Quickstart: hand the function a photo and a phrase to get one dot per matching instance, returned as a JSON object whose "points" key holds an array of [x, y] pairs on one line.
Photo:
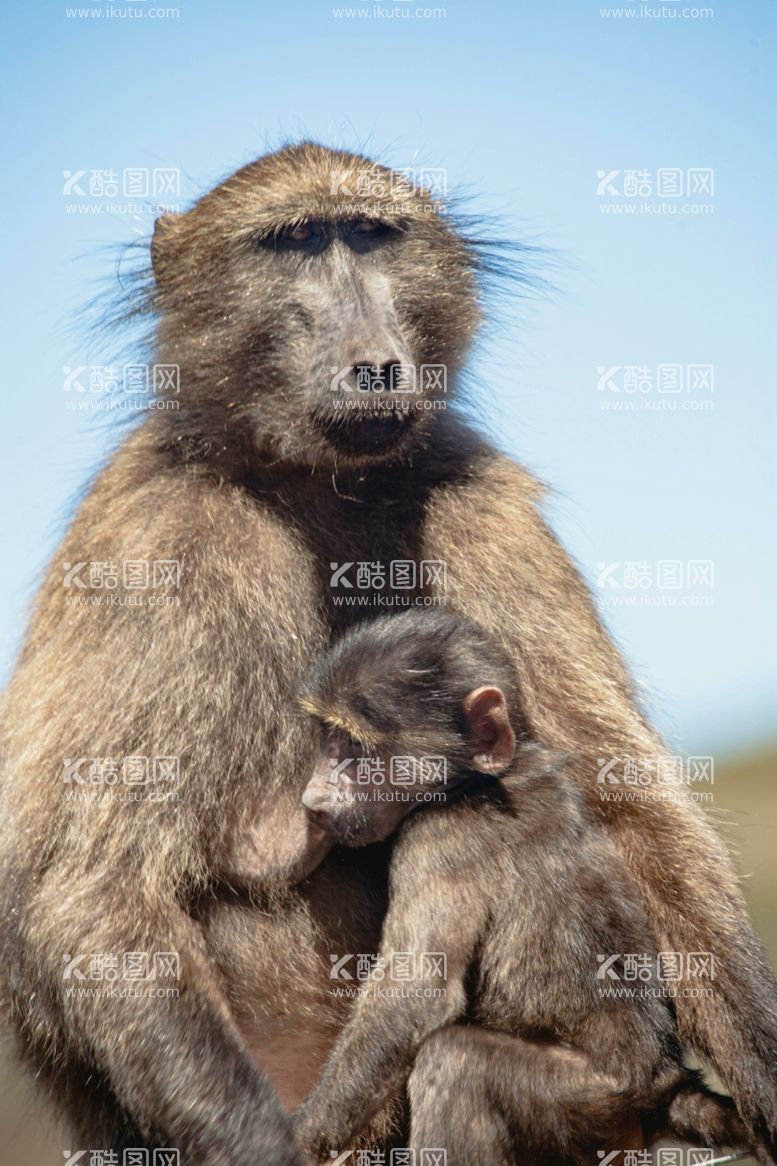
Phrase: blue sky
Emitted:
{"points": [[521, 104]]}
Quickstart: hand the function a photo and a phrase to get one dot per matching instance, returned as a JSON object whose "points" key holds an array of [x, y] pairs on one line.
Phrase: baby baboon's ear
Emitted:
{"points": [[489, 731], [162, 245]]}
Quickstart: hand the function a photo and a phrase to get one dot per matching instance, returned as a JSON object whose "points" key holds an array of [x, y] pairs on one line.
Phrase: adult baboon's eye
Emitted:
{"points": [[309, 236], [365, 234], [301, 233]]}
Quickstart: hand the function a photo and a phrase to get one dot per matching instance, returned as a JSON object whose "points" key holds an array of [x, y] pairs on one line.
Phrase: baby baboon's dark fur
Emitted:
{"points": [[511, 881], [256, 485]]}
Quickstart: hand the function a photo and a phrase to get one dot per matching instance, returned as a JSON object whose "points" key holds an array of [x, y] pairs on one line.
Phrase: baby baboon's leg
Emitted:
{"points": [[486, 1097]]}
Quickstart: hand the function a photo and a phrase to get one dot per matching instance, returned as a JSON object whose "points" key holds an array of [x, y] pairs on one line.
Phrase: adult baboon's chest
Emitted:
{"points": [[364, 551]]}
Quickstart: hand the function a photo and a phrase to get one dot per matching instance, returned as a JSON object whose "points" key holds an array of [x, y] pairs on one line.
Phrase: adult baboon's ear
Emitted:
{"points": [[161, 241], [489, 730]]}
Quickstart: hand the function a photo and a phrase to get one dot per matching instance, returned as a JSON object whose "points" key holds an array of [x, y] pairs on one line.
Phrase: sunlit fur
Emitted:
{"points": [[236, 486]]}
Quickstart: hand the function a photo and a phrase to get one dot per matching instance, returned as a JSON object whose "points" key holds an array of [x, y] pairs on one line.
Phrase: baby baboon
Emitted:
{"points": [[283, 471], [504, 899]]}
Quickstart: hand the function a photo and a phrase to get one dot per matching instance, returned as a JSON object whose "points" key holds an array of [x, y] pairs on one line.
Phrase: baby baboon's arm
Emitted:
{"points": [[416, 987]]}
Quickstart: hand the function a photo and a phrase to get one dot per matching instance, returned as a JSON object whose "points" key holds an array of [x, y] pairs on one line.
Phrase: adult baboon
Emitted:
{"points": [[275, 293]]}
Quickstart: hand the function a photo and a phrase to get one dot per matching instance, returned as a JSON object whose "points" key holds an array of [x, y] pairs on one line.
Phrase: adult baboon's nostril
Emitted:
{"points": [[378, 378]]}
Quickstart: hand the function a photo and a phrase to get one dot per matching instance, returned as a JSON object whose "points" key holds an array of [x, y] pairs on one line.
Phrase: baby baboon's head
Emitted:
{"points": [[408, 706]]}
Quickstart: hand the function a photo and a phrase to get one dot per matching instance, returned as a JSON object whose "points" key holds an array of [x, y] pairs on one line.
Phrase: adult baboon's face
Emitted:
{"points": [[319, 307]]}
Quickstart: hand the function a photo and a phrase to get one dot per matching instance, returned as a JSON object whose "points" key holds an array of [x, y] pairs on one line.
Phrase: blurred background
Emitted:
{"points": [[636, 148]]}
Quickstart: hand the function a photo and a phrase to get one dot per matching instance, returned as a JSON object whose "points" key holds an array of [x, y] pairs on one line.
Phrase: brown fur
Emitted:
{"points": [[514, 882], [242, 489]]}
